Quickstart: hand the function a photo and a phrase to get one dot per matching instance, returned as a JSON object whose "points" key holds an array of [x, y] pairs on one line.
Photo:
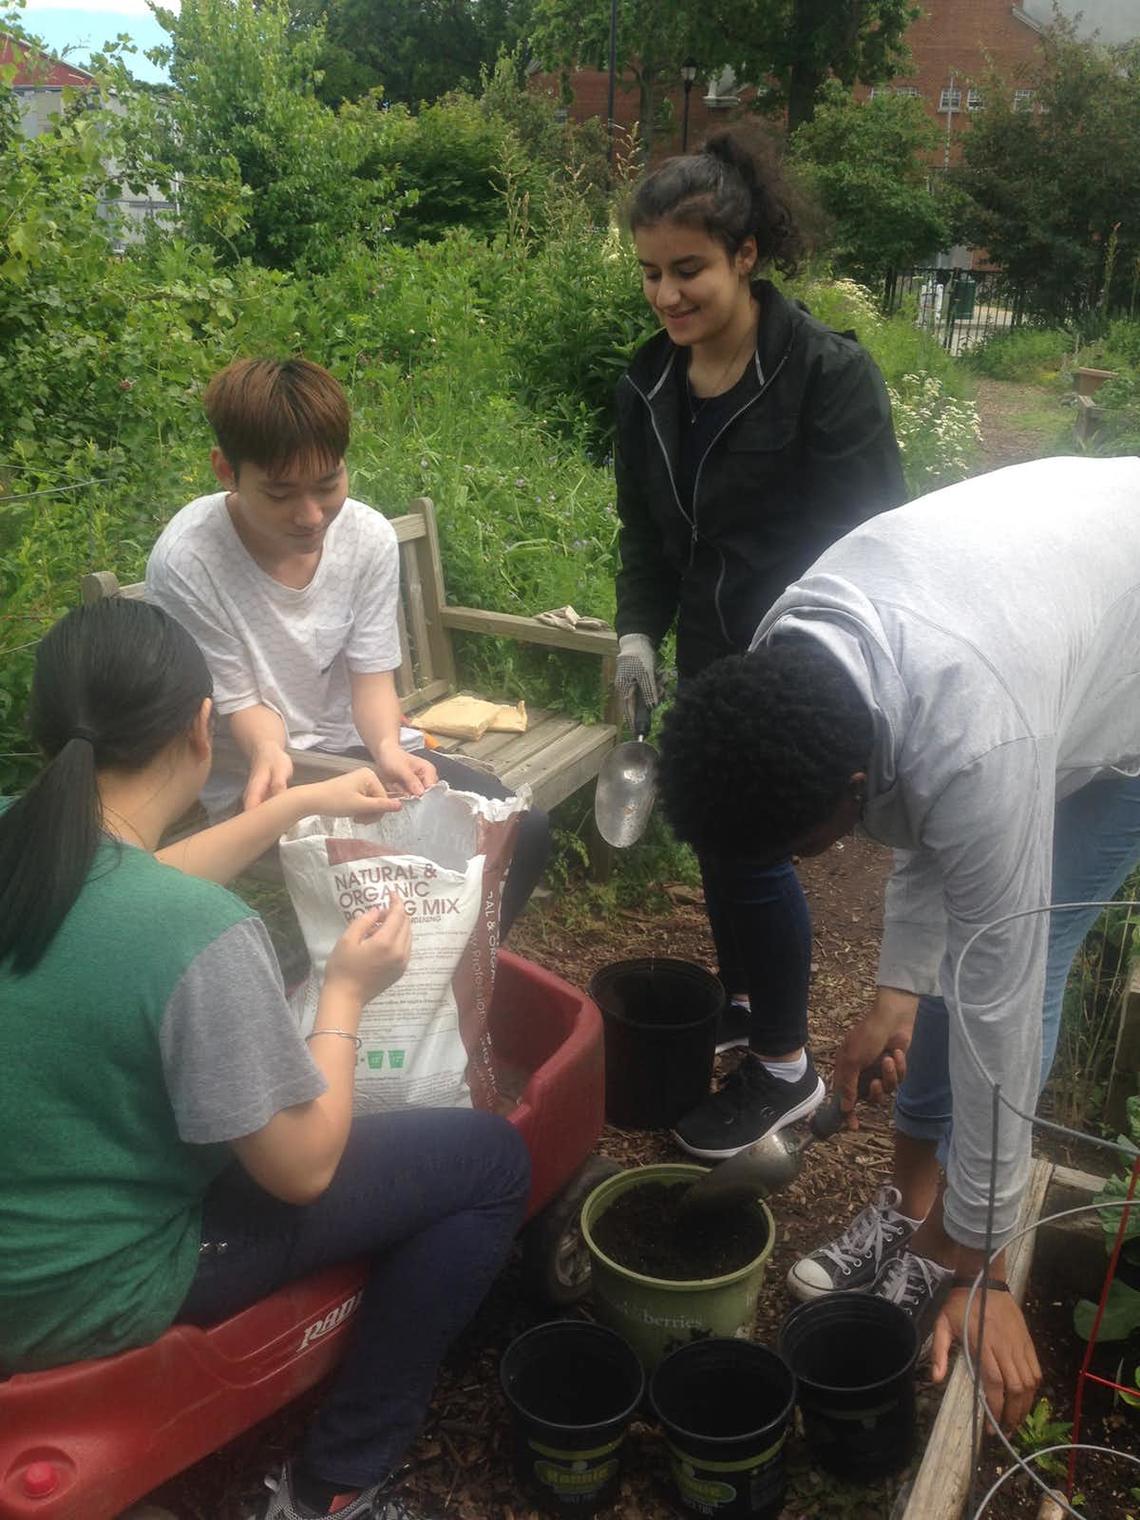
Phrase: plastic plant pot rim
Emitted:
{"points": [[748, 1435], [846, 1388], [649, 963], [669, 1171], [618, 1341]]}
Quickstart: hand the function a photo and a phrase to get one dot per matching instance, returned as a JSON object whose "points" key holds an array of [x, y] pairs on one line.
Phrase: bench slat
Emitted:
{"points": [[526, 630], [557, 772]]}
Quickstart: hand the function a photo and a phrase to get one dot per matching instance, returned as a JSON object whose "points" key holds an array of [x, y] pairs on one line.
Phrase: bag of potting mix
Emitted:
{"points": [[443, 858]]}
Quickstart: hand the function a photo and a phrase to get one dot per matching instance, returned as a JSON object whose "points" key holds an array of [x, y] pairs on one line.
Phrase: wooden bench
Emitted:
{"points": [[555, 757]]}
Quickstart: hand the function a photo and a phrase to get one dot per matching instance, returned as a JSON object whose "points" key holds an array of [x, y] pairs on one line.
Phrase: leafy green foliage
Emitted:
{"points": [[1090, 1010], [866, 162], [1054, 190], [262, 168], [1034, 355], [413, 50], [1040, 1430], [1122, 1306]]}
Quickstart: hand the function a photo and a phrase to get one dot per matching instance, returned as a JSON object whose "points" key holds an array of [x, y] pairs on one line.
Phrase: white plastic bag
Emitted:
{"points": [[443, 857]]}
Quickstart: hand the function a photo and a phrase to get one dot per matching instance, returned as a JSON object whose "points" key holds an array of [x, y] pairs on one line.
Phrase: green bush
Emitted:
{"points": [[1034, 355]]}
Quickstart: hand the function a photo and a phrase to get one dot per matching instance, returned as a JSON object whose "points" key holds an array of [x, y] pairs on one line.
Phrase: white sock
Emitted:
{"points": [[787, 1071]]}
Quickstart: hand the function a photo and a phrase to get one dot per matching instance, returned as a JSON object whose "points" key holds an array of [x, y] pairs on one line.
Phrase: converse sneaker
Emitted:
{"points": [[917, 1285], [854, 1260], [732, 1027], [751, 1103], [378, 1503]]}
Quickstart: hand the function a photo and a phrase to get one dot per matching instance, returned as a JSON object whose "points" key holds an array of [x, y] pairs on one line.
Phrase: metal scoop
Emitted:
{"points": [[772, 1162], [627, 786]]}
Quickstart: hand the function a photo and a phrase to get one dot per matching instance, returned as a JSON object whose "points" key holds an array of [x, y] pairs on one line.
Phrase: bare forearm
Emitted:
{"points": [[255, 726], [222, 852], [376, 709], [297, 1153]]}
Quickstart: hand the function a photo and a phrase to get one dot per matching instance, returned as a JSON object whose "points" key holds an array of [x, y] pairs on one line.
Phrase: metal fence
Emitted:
{"points": [[959, 307]]}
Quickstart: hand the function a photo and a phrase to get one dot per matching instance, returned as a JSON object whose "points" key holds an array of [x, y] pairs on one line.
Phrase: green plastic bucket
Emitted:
{"points": [[654, 1314]]}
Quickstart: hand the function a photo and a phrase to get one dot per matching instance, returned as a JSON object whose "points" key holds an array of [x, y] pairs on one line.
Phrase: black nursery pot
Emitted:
{"points": [[726, 1406], [853, 1357], [659, 1017], [573, 1388]]}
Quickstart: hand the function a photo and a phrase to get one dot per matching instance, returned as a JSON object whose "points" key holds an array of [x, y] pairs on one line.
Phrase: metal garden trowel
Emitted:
{"points": [[773, 1161], [627, 785]]}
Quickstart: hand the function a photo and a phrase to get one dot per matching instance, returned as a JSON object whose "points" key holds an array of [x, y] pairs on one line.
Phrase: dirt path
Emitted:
{"points": [[1019, 422]]}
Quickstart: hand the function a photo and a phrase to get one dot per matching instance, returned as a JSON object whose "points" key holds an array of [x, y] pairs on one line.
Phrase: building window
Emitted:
{"points": [[950, 99], [1023, 100], [974, 101], [908, 89]]}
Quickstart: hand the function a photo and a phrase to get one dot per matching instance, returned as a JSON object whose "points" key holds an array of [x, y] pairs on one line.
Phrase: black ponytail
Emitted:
{"points": [[732, 189], [114, 684]]}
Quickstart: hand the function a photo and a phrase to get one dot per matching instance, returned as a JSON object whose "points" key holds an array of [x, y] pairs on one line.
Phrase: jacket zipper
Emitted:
{"points": [[697, 486]]}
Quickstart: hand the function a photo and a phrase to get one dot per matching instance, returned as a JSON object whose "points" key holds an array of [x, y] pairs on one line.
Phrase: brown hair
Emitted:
{"points": [[732, 189], [274, 412]]}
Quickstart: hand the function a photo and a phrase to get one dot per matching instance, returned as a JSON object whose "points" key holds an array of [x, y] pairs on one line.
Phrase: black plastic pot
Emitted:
{"points": [[726, 1406], [660, 1031], [573, 1388], [853, 1357]]}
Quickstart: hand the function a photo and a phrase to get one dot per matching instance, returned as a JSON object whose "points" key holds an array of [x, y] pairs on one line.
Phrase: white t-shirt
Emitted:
{"points": [[287, 649]]}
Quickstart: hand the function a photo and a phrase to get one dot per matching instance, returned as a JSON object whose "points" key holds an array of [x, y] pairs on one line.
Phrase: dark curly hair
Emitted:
{"points": [[732, 189], [760, 748]]}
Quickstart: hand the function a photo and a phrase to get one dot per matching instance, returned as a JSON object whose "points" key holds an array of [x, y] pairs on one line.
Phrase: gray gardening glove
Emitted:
{"points": [[636, 680]]}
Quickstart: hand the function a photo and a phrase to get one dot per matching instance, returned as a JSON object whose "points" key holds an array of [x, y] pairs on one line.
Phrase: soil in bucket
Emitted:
{"points": [[659, 1017], [700, 1297], [573, 1388], [853, 1357], [726, 1406], [646, 1230]]}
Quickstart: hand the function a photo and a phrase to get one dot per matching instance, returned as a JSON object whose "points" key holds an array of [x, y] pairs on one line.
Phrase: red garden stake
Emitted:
{"points": [[1084, 1375]]}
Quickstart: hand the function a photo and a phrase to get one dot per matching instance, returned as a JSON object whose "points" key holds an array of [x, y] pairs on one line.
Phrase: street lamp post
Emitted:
{"points": [[688, 75], [613, 82]]}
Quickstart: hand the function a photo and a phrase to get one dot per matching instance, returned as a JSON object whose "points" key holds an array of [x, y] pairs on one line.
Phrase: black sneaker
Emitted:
{"points": [[855, 1259], [917, 1285], [751, 1103], [732, 1027]]}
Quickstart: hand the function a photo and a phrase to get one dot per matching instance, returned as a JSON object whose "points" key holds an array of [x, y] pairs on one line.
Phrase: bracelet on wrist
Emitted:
{"points": [[342, 1033], [968, 1279]]}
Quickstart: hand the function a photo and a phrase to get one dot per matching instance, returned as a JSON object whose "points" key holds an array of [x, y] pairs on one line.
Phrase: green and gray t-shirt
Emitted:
{"points": [[154, 1030]]}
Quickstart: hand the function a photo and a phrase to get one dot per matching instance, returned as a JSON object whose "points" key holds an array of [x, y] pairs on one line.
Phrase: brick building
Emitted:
{"points": [[952, 44]]}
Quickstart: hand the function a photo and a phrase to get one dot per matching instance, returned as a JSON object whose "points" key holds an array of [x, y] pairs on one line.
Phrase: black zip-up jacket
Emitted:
{"points": [[808, 453]]}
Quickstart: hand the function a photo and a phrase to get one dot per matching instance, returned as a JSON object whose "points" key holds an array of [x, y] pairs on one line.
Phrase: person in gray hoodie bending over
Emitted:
{"points": [[958, 679]]}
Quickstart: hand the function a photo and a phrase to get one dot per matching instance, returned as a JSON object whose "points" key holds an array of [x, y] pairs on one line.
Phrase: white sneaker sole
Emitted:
{"points": [[737, 1042], [801, 1111], [806, 1291]]}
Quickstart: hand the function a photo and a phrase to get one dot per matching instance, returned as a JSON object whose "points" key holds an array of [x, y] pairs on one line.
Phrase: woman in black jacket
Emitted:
{"points": [[749, 438]]}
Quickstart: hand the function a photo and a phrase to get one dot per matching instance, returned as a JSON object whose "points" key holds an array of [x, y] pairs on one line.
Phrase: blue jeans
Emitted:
{"points": [[433, 1197], [1096, 842], [761, 928]]}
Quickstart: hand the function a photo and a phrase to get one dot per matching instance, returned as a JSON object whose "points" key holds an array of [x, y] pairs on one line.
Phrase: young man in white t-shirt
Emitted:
{"points": [[291, 588]]}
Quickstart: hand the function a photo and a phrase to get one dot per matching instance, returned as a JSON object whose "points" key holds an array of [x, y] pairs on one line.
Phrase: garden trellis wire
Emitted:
{"points": [[974, 1362]]}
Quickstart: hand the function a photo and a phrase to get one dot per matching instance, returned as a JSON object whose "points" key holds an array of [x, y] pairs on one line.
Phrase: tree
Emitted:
{"points": [[866, 162], [853, 41], [1054, 190], [414, 50], [262, 168], [788, 47]]}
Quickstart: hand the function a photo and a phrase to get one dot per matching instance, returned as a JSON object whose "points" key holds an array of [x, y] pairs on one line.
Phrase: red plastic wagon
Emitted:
{"points": [[85, 1442]]}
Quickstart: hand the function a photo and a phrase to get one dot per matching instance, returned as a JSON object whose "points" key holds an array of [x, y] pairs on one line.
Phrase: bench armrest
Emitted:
{"points": [[528, 630]]}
